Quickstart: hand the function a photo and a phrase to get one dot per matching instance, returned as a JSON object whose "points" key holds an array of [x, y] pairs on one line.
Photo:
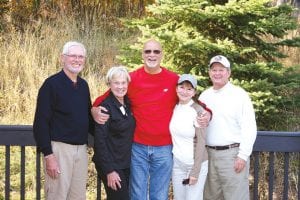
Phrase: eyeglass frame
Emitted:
{"points": [[73, 56]]}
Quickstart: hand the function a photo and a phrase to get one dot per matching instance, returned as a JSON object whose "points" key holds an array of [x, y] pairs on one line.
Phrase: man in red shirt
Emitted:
{"points": [[152, 92]]}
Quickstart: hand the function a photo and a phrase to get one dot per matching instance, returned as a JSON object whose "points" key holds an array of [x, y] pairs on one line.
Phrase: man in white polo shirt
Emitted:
{"points": [[230, 135]]}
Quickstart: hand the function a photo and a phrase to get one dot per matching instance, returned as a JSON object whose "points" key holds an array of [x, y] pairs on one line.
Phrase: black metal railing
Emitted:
{"points": [[272, 143], [277, 142]]}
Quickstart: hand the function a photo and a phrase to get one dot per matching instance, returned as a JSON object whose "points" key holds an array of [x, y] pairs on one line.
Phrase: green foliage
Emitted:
{"points": [[249, 32]]}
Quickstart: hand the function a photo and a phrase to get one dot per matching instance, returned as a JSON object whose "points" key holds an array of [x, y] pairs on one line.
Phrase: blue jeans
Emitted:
{"points": [[151, 167]]}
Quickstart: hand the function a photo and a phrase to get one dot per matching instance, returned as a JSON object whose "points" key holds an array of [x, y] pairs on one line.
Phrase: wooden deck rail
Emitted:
{"points": [[267, 141]]}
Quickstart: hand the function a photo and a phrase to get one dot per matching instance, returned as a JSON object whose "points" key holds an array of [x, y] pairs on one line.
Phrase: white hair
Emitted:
{"points": [[117, 71], [70, 44]]}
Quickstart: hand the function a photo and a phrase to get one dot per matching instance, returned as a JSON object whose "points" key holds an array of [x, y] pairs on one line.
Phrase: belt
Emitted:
{"points": [[224, 147]]}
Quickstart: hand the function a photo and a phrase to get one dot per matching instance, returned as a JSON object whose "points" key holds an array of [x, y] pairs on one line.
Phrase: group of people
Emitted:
{"points": [[149, 129]]}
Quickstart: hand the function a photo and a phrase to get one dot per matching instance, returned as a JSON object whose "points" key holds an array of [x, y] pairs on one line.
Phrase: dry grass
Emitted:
{"points": [[30, 57]]}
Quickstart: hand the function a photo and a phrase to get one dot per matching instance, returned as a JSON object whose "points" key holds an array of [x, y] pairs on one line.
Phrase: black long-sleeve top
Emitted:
{"points": [[62, 112], [113, 140]]}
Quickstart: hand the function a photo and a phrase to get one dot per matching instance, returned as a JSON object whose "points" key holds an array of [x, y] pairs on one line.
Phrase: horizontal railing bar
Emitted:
{"points": [[277, 141], [22, 135], [15, 135], [279, 133], [266, 141]]}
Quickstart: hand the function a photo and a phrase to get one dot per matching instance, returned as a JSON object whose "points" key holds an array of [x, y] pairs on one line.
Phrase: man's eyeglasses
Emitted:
{"points": [[148, 51], [73, 56]]}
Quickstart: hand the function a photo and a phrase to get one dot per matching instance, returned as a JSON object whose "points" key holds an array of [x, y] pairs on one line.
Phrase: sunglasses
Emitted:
{"points": [[148, 51]]}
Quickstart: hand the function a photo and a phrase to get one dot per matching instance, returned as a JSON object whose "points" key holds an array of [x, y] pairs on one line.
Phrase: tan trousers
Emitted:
{"points": [[222, 182], [71, 183]]}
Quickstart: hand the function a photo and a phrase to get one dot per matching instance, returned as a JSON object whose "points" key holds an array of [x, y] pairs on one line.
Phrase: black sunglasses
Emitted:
{"points": [[148, 51]]}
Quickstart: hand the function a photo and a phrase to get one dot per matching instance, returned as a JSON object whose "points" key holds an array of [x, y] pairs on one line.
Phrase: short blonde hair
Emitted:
{"points": [[117, 71]]}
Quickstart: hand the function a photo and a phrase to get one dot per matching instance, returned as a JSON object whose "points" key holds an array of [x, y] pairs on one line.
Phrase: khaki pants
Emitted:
{"points": [[222, 182], [71, 183]]}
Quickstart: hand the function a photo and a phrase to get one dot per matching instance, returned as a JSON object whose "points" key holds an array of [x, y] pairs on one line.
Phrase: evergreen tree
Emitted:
{"points": [[249, 32]]}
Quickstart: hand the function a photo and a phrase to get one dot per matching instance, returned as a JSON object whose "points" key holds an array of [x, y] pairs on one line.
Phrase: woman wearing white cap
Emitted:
{"points": [[189, 153]]}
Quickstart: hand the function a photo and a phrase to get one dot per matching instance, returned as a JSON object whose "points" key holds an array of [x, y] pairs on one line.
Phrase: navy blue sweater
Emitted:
{"points": [[62, 112]]}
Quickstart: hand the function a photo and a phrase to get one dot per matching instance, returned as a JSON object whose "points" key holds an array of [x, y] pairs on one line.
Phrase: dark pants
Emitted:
{"points": [[123, 192]]}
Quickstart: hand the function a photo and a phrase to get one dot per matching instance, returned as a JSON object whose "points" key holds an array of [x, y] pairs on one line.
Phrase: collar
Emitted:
{"points": [[63, 76], [187, 104]]}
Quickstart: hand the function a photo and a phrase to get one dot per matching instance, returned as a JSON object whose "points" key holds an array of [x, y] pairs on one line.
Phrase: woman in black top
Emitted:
{"points": [[112, 145]]}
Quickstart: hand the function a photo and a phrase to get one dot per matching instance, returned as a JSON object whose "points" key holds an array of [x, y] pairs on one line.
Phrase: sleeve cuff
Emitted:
{"points": [[242, 156]]}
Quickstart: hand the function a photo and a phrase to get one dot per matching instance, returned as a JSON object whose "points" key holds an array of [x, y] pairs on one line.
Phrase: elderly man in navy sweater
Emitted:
{"points": [[61, 126]]}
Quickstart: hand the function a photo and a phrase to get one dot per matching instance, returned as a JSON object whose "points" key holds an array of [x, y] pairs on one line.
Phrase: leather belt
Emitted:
{"points": [[224, 147]]}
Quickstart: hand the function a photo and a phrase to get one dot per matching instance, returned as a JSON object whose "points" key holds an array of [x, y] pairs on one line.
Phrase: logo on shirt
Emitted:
{"points": [[166, 90]]}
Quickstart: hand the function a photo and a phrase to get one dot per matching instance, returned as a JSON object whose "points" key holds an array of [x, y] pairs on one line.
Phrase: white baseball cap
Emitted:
{"points": [[188, 77], [220, 59]]}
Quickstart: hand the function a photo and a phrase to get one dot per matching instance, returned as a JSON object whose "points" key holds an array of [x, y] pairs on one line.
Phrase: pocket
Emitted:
{"points": [[54, 147]]}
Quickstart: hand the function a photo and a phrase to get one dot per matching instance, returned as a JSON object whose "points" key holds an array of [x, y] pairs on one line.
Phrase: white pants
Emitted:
{"points": [[71, 183], [187, 192]]}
